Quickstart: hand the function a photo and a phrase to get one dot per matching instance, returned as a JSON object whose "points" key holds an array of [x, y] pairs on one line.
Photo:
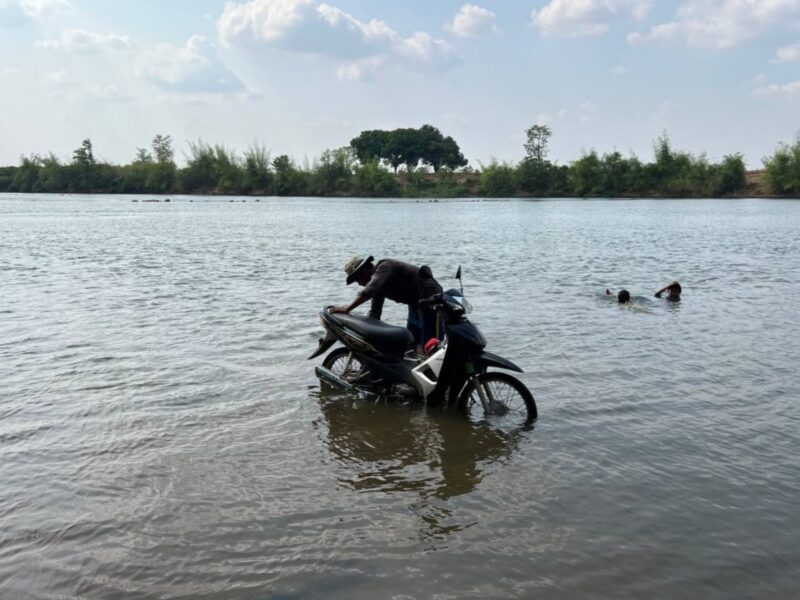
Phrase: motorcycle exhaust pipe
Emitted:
{"points": [[333, 379]]}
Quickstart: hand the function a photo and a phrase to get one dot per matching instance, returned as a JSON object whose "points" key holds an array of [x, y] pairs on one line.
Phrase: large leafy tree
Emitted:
{"points": [[408, 146], [404, 146], [451, 156], [370, 145], [439, 151]]}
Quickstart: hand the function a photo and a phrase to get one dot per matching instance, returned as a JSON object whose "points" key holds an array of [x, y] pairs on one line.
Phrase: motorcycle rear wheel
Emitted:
{"points": [[343, 364], [512, 400]]}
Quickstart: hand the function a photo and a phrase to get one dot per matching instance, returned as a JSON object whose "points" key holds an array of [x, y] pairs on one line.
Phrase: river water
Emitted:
{"points": [[163, 436]]}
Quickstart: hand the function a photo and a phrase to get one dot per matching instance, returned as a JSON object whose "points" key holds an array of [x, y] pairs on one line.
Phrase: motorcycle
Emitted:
{"points": [[375, 360]]}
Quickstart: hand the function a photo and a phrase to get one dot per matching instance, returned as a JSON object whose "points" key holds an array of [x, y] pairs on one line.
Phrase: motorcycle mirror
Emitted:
{"points": [[458, 276]]}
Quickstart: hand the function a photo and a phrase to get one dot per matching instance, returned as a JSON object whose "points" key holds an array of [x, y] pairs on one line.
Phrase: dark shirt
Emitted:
{"points": [[395, 280]]}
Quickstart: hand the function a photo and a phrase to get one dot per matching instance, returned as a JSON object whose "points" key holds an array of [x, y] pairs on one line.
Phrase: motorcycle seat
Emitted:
{"points": [[387, 338]]}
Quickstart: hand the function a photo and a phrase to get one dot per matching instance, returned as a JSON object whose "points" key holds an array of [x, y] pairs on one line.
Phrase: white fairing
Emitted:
{"points": [[427, 373]]}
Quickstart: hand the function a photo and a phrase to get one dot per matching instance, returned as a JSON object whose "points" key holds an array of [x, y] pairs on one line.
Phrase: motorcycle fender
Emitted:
{"points": [[487, 359], [324, 343]]}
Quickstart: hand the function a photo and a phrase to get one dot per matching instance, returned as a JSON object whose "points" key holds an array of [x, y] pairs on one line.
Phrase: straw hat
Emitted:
{"points": [[353, 265]]}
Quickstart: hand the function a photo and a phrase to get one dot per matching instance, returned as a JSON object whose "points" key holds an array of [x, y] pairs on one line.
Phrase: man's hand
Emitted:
{"points": [[339, 310], [658, 294]]}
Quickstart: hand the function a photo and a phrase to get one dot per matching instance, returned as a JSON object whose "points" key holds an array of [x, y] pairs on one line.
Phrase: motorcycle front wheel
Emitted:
{"points": [[342, 363], [508, 398]]}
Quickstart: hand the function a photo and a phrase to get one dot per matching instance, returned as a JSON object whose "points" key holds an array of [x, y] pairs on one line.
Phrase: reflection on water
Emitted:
{"points": [[401, 447]]}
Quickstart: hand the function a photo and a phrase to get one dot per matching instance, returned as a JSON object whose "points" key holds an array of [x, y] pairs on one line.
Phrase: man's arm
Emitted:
{"points": [[370, 291], [664, 289], [357, 301], [376, 309]]}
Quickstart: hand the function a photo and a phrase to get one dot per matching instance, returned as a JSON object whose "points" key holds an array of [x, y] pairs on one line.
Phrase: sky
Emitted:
{"points": [[302, 76]]}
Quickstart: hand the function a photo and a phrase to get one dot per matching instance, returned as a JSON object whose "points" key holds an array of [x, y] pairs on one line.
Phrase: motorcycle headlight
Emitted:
{"points": [[459, 304], [455, 307]]}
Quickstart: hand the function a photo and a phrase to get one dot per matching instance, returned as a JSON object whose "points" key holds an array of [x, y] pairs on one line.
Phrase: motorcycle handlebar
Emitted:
{"points": [[434, 300]]}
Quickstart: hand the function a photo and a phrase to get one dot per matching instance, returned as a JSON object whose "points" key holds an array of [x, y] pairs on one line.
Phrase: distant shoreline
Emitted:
{"points": [[383, 171]]}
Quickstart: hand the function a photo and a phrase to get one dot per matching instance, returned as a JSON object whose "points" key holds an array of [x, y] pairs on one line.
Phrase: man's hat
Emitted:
{"points": [[353, 265]]}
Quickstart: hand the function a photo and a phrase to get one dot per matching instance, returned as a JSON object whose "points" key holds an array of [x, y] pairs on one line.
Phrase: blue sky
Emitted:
{"points": [[300, 76]]}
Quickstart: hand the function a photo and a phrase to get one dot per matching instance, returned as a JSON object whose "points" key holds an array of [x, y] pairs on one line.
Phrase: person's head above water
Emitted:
{"points": [[623, 297], [673, 291]]}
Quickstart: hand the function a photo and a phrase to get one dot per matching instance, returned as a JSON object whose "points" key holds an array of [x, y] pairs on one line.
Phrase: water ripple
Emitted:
{"points": [[161, 433]]}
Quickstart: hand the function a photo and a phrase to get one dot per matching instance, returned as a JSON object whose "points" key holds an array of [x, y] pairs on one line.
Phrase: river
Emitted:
{"points": [[162, 434]]}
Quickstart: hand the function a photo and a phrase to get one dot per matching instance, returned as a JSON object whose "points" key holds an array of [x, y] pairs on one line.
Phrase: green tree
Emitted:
{"points": [[84, 155], [451, 156], [228, 170], [143, 156], [7, 178], [586, 174], [334, 171], [162, 148], [257, 175], [373, 181], [498, 180], [81, 174], [370, 145], [403, 147], [534, 172], [52, 175], [27, 174], [537, 141], [782, 169], [438, 151], [200, 174], [288, 180]]}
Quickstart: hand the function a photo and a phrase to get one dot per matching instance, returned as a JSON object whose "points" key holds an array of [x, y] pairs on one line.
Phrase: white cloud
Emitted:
{"points": [[61, 80], [44, 8], [360, 70], [17, 13], [586, 17], [473, 21], [619, 71], [78, 40], [425, 52], [308, 27], [195, 68], [9, 72], [789, 53], [264, 20], [775, 89], [720, 24]]}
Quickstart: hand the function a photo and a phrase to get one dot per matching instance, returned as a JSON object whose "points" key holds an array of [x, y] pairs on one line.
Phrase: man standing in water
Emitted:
{"points": [[673, 291], [398, 281]]}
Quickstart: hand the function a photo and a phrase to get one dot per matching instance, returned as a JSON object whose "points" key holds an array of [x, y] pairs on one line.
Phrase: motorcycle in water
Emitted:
{"points": [[375, 359]]}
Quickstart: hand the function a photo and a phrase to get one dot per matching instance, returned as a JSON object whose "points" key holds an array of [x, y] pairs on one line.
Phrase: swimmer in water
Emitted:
{"points": [[673, 291], [623, 297]]}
